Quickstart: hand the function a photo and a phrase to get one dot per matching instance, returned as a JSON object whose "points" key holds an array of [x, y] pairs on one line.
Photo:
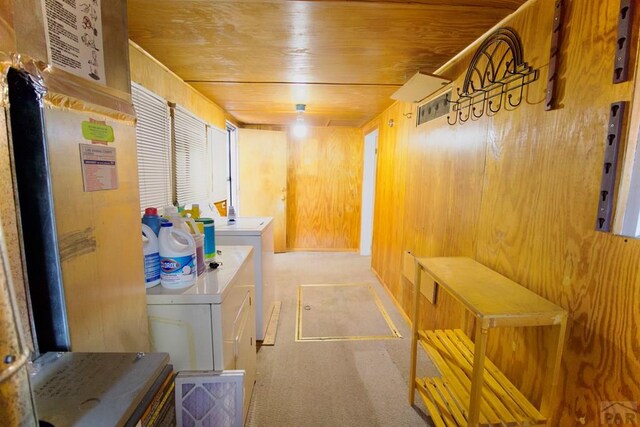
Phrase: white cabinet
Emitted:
{"points": [[210, 325], [256, 232]]}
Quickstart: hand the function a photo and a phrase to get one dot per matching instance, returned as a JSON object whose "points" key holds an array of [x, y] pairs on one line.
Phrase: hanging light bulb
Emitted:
{"points": [[300, 128]]}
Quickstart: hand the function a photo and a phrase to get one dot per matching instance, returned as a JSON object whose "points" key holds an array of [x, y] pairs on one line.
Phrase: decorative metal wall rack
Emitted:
{"points": [[495, 78]]}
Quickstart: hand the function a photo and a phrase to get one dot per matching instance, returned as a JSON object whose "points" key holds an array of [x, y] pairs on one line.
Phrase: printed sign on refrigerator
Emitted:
{"points": [[99, 170], [73, 30]]}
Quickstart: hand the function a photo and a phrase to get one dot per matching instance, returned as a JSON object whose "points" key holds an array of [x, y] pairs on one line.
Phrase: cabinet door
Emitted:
{"points": [[245, 346], [183, 331]]}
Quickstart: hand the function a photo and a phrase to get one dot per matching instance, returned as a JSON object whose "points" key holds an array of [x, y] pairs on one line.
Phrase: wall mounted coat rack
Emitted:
{"points": [[495, 78]]}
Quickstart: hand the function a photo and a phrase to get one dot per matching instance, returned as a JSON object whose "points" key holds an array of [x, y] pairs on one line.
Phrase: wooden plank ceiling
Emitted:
{"points": [[343, 59]]}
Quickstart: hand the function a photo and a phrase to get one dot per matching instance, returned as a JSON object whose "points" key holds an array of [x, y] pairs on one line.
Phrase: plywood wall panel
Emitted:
{"points": [[154, 76], [389, 197], [324, 189], [99, 237], [444, 186], [539, 202], [518, 192]]}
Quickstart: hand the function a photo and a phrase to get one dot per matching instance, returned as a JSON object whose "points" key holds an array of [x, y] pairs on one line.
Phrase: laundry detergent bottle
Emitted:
{"points": [[152, 219], [151, 257], [177, 257]]}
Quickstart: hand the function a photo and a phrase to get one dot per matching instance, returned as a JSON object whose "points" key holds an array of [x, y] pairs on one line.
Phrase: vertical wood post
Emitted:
{"points": [[414, 332], [477, 375], [554, 342]]}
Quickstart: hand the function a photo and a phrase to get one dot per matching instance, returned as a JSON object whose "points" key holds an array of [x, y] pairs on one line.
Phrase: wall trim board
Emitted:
{"points": [[631, 152], [404, 315], [160, 64]]}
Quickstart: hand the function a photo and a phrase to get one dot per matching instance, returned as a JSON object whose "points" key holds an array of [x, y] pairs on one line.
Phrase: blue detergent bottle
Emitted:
{"points": [[152, 219]]}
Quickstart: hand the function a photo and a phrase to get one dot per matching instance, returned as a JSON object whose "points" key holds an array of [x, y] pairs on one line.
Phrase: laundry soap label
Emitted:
{"points": [[152, 267], [177, 272]]}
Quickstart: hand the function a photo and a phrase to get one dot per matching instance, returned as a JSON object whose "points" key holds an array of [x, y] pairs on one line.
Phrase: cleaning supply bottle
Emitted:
{"points": [[188, 225], [177, 259], [231, 215], [209, 231], [198, 237], [152, 219], [173, 215], [194, 212], [151, 257]]}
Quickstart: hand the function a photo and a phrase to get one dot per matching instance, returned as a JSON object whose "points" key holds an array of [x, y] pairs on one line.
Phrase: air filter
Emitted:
{"points": [[209, 398]]}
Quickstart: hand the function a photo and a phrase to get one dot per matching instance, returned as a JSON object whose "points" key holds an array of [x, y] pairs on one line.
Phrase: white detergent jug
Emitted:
{"points": [[172, 214], [177, 259], [151, 257]]}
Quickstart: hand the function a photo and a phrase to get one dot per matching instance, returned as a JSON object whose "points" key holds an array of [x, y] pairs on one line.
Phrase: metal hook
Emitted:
{"points": [[511, 104], [484, 100], [499, 96], [520, 96], [462, 118], [491, 110]]}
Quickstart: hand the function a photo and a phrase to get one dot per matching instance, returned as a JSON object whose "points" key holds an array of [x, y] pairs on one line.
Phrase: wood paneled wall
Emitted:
{"points": [[150, 73], [324, 189], [391, 174], [518, 192]]}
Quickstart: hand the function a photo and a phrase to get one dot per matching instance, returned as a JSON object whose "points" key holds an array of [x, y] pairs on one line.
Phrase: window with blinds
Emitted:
{"points": [[220, 161], [153, 136], [192, 174]]}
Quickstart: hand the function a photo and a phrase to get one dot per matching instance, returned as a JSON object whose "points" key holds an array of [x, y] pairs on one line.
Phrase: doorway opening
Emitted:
{"points": [[232, 155], [368, 191]]}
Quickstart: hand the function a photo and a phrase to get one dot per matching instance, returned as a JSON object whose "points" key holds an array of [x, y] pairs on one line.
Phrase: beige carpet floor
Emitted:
{"points": [[341, 311], [333, 383]]}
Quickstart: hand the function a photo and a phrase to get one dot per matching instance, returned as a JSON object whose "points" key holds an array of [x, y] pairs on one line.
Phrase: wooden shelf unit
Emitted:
{"points": [[472, 391]]}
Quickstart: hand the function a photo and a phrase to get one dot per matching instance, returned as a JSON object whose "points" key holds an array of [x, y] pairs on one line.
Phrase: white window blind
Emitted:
{"points": [[191, 159], [153, 139], [220, 163]]}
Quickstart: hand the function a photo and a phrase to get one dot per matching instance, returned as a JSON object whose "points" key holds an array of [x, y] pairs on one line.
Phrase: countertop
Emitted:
{"points": [[244, 226], [211, 286]]}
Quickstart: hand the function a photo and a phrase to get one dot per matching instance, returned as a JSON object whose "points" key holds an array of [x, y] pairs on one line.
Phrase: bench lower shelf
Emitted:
{"points": [[447, 397]]}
